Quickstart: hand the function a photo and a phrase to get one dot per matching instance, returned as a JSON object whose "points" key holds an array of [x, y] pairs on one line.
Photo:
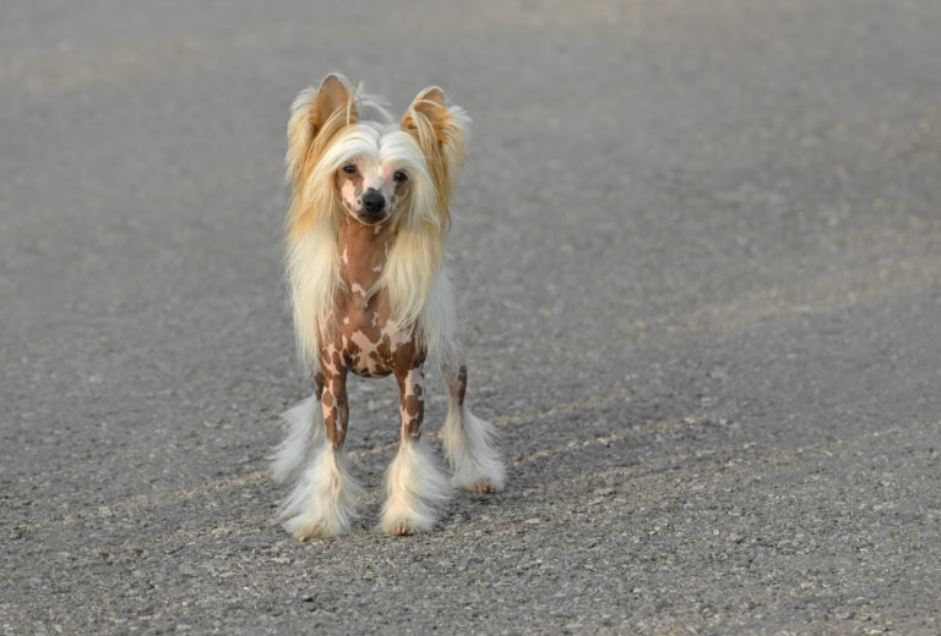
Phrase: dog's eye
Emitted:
{"points": [[349, 168], [400, 176]]}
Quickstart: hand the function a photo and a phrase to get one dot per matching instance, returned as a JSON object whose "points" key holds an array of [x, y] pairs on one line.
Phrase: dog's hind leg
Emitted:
{"points": [[305, 434], [469, 441], [323, 501], [414, 483]]}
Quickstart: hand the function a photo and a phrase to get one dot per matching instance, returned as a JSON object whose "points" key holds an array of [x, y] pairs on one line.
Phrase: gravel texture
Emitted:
{"points": [[697, 255]]}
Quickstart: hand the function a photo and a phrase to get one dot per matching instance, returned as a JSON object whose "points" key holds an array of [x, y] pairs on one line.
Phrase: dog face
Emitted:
{"points": [[373, 171], [370, 190], [378, 172]]}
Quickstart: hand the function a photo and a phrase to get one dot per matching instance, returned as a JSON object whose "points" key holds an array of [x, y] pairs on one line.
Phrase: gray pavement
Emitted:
{"points": [[698, 263]]}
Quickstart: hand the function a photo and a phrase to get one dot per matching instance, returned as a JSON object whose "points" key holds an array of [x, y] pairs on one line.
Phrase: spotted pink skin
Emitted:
{"points": [[370, 174], [363, 339]]}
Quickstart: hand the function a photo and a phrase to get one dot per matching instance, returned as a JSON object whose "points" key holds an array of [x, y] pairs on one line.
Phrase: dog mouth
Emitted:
{"points": [[365, 216], [371, 218]]}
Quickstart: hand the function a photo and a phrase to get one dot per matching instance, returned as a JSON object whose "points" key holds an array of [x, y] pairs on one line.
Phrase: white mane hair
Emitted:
{"points": [[418, 287]]}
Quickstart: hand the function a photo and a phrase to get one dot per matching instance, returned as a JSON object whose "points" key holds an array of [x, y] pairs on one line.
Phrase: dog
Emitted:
{"points": [[366, 229]]}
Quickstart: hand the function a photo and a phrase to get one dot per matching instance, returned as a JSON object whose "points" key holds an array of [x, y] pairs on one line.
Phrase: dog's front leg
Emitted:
{"points": [[323, 502], [414, 483], [336, 409]]}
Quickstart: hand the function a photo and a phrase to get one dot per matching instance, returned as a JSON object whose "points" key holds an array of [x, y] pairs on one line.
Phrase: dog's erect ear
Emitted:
{"points": [[439, 130], [431, 103], [316, 116], [335, 95]]}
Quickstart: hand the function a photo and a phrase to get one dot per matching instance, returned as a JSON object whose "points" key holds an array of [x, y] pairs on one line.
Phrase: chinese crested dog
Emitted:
{"points": [[365, 238]]}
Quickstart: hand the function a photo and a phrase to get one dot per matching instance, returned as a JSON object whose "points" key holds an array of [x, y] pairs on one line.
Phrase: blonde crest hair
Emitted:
{"points": [[324, 132]]}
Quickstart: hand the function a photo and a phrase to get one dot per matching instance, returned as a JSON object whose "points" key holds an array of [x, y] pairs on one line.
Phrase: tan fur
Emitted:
{"points": [[315, 122], [368, 292], [321, 118], [439, 131]]}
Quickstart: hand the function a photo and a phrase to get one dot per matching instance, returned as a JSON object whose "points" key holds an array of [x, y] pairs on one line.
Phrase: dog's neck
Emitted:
{"points": [[363, 252]]}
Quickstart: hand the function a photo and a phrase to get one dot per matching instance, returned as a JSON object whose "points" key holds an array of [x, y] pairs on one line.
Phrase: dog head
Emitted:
{"points": [[373, 171], [371, 190]]}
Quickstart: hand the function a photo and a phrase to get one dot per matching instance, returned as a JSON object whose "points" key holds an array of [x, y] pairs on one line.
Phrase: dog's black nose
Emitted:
{"points": [[373, 201]]}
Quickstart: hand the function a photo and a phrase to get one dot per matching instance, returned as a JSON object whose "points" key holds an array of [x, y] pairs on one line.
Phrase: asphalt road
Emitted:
{"points": [[698, 263]]}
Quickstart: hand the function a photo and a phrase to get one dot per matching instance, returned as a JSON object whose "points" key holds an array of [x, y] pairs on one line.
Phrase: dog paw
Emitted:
{"points": [[310, 531], [401, 529], [481, 487], [406, 525]]}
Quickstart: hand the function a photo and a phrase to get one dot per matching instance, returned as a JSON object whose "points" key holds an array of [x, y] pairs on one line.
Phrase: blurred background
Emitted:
{"points": [[697, 258]]}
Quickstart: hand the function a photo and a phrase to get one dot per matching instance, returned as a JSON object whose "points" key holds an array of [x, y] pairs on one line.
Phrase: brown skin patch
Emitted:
{"points": [[319, 382], [457, 384], [333, 402], [411, 404], [361, 339], [354, 181]]}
